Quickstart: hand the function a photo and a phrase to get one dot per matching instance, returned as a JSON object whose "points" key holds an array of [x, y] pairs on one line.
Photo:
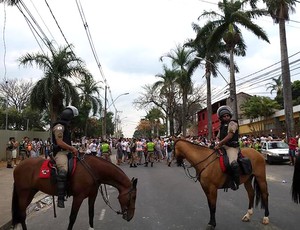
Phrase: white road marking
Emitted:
{"points": [[102, 214]]}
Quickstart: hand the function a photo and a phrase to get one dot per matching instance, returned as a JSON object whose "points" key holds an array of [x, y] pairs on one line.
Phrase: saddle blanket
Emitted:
{"points": [[244, 163], [47, 166], [45, 170]]}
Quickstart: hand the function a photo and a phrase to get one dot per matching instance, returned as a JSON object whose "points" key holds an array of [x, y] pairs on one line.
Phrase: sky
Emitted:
{"points": [[129, 37]]}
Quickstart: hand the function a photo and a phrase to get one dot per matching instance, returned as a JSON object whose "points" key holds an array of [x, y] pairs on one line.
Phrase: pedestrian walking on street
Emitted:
{"points": [[150, 147]]}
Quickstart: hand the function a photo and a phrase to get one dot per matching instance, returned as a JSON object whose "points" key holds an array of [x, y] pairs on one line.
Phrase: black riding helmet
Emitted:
{"points": [[224, 110], [69, 113]]}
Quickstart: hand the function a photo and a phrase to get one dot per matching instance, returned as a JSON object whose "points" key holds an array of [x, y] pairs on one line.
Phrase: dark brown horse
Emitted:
{"points": [[90, 172], [210, 175], [296, 181]]}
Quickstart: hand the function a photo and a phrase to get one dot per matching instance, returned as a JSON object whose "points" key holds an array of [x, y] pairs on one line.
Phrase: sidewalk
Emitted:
{"points": [[6, 185]]}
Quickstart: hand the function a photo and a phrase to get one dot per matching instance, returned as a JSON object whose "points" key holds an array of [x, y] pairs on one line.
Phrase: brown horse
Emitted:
{"points": [[296, 181], [211, 177], [90, 172]]}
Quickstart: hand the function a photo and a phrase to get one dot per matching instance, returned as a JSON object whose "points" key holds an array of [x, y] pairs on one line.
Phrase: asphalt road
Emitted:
{"points": [[167, 199]]}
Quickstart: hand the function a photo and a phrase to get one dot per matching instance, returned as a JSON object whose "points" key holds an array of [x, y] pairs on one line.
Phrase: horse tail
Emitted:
{"points": [[296, 182], [258, 195], [15, 210]]}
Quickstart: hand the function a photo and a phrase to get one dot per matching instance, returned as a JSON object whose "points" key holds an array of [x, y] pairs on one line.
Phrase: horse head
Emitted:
{"points": [[178, 154], [127, 201]]}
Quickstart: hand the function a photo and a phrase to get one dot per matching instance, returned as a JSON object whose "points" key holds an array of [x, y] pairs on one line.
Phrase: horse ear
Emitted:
{"points": [[134, 182]]}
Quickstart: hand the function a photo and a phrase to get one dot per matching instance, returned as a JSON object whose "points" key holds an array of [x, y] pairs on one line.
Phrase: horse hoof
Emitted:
{"points": [[210, 227], [246, 218], [266, 220]]}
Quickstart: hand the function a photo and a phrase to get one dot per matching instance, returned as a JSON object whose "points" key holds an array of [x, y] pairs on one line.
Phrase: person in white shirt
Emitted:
{"points": [[93, 147]]}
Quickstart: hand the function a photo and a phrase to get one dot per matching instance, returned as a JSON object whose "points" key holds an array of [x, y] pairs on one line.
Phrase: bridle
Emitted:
{"points": [[103, 189], [197, 176]]}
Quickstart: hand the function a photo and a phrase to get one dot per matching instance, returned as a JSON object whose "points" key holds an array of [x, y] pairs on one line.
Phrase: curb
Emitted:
{"points": [[40, 201]]}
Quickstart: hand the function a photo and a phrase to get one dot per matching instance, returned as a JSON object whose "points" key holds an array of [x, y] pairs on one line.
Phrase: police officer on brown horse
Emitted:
{"points": [[228, 138], [61, 136]]}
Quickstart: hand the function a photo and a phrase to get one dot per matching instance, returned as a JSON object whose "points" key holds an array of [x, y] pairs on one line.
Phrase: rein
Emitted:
{"points": [[197, 176], [96, 180]]}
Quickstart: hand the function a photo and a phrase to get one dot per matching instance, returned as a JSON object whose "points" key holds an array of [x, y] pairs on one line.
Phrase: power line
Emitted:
{"points": [[89, 36]]}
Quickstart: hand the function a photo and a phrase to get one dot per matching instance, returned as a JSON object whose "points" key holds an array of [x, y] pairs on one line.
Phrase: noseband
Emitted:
{"points": [[106, 199]]}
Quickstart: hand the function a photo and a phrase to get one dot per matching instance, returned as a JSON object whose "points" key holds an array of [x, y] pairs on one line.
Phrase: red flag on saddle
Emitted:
{"points": [[45, 170]]}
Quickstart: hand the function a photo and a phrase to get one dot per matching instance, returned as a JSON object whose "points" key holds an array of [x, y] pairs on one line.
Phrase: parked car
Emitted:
{"points": [[275, 151]]}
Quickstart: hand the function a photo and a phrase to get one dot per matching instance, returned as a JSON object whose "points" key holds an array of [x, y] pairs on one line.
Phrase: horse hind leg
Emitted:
{"points": [[262, 195], [20, 201], [250, 192]]}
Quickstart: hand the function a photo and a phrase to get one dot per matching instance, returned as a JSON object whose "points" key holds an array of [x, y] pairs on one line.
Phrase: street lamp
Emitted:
{"points": [[106, 108]]}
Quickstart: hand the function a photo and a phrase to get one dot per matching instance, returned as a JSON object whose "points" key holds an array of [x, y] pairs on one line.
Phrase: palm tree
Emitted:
{"points": [[10, 2], [181, 58], [54, 90], [276, 86], [89, 98], [167, 90], [279, 11], [225, 26], [212, 56]]}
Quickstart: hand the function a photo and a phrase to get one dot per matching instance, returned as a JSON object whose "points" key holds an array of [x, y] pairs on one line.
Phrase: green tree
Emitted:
{"points": [[181, 58], [226, 26], [277, 86], [212, 57], [10, 2], [54, 90], [280, 11], [168, 90], [154, 116], [89, 94], [259, 108], [296, 92]]}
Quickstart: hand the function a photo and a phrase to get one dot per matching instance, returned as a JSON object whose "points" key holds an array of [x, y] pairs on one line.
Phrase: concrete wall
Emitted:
{"points": [[6, 134]]}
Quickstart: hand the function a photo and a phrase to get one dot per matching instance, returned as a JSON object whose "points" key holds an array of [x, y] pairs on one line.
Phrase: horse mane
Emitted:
{"points": [[188, 141], [103, 161], [179, 159]]}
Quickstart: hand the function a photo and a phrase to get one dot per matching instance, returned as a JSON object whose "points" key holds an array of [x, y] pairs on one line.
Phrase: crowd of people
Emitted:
{"points": [[131, 151], [26, 148]]}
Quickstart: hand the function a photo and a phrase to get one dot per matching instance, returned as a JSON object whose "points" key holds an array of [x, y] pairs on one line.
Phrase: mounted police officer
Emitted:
{"points": [[228, 138], [61, 136]]}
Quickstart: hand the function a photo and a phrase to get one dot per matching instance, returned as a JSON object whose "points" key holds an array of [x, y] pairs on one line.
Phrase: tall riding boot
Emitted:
{"points": [[146, 164], [235, 175], [61, 188]]}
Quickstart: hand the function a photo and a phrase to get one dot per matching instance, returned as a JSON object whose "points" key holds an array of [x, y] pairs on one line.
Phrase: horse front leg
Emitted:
{"points": [[77, 201], [91, 202], [211, 194], [250, 192]]}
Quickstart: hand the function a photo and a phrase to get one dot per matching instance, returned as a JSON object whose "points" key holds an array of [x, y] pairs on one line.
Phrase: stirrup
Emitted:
{"points": [[61, 203], [234, 186]]}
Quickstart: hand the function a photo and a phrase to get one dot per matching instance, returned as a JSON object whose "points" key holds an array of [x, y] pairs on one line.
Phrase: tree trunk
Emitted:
{"points": [[184, 112], [286, 82], [209, 108], [232, 89]]}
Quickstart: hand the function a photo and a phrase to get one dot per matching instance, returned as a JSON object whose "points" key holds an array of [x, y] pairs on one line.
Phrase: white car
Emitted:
{"points": [[275, 151]]}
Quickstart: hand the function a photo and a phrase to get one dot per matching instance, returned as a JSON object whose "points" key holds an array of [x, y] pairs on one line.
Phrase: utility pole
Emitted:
{"points": [[104, 115]]}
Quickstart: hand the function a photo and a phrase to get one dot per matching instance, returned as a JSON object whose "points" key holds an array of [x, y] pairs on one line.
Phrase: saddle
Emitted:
{"points": [[244, 162], [49, 169]]}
